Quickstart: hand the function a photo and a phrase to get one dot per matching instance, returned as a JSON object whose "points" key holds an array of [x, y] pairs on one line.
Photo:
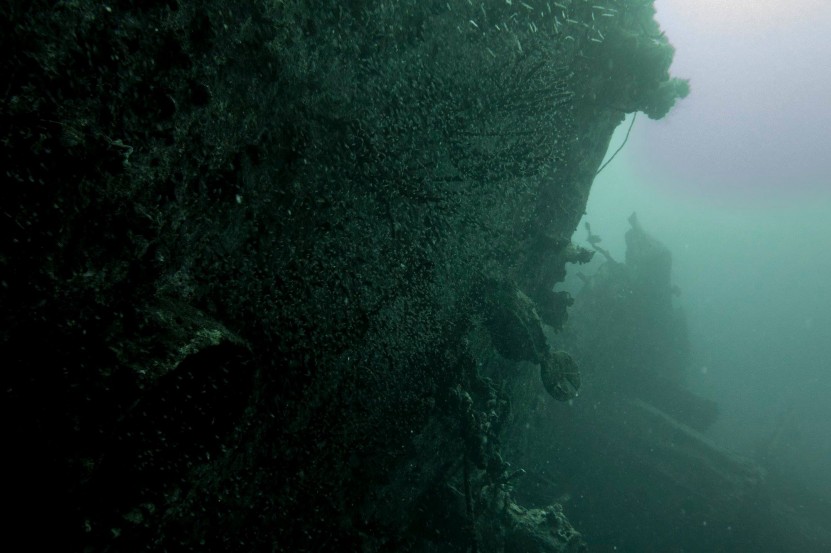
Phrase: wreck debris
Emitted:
{"points": [[560, 375], [517, 334]]}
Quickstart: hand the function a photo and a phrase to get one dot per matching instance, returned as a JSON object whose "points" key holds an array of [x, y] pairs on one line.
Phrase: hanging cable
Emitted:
{"points": [[621, 146]]}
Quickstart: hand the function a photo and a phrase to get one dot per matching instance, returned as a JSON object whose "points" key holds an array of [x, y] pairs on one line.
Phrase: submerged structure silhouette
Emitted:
{"points": [[277, 276]]}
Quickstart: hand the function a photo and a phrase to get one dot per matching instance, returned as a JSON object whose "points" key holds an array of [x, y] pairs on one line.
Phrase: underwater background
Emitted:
{"points": [[424, 276], [737, 182]]}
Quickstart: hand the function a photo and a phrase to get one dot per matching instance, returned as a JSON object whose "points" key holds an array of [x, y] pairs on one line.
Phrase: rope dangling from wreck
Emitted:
{"points": [[632, 124]]}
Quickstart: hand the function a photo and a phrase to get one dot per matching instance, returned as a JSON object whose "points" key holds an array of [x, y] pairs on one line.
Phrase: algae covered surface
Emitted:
{"points": [[258, 260]]}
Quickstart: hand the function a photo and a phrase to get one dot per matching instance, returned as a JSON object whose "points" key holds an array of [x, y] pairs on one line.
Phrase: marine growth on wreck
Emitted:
{"points": [[279, 275]]}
